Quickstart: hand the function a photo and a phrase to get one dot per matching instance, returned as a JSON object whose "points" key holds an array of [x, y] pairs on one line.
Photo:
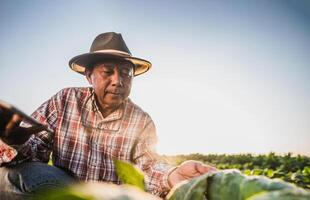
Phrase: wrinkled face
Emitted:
{"points": [[111, 81]]}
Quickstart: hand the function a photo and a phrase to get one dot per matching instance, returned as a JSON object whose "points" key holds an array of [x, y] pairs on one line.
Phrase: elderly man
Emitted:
{"points": [[89, 127]]}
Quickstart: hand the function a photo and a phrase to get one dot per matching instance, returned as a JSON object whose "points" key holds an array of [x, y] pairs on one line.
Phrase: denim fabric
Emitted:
{"points": [[20, 181]]}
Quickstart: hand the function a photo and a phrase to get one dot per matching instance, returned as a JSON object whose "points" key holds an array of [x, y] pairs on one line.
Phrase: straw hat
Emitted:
{"points": [[108, 46]]}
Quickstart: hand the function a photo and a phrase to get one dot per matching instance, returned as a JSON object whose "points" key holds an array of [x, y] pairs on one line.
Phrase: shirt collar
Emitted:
{"points": [[92, 117]]}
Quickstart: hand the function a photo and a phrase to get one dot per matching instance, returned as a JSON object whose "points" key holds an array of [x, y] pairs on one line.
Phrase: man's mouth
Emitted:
{"points": [[115, 93]]}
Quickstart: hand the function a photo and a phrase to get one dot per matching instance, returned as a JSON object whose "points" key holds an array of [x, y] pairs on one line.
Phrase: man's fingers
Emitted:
{"points": [[15, 120], [202, 168], [13, 134], [20, 135], [35, 129]]}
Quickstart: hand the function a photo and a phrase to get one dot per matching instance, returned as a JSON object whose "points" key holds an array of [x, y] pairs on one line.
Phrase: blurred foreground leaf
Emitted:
{"points": [[95, 191], [67, 193], [282, 195], [129, 174]]}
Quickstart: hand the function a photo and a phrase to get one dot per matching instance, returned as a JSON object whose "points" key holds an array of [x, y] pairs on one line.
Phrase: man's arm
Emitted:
{"points": [[146, 158], [11, 134], [162, 177], [39, 146]]}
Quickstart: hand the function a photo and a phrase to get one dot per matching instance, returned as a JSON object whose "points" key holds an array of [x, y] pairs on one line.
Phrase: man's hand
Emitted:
{"points": [[188, 170], [10, 131]]}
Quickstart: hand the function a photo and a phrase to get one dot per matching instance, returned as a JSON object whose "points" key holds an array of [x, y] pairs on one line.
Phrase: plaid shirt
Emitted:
{"points": [[85, 143]]}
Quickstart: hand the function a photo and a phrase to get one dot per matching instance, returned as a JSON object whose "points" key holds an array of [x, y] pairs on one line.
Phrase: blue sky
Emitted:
{"points": [[227, 76]]}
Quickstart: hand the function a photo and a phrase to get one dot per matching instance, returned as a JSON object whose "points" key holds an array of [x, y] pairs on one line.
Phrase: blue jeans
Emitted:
{"points": [[23, 180]]}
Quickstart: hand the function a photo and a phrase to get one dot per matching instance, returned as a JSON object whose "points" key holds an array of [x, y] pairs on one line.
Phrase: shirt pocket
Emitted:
{"points": [[113, 147], [116, 152]]}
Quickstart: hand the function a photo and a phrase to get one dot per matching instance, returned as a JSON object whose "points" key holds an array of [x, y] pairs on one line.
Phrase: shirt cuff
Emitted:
{"points": [[165, 178], [7, 153]]}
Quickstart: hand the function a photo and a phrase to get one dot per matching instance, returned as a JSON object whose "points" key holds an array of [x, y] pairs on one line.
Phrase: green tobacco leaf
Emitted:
{"points": [[252, 185], [306, 171], [129, 174], [224, 185], [193, 189], [214, 186], [269, 173], [287, 194], [230, 187], [277, 184]]}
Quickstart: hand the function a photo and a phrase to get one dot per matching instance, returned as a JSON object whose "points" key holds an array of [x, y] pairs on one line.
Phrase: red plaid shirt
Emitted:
{"points": [[85, 143]]}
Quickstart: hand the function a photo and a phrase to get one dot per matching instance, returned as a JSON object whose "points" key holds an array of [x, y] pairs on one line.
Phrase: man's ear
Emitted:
{"points": [[88, 76]]}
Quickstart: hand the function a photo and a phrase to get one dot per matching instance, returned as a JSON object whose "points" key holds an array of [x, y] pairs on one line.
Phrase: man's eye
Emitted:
{"points": [[126, 73], [108, 71]]}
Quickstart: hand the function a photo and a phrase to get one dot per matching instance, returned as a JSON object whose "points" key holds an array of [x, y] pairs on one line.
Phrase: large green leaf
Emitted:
{"points": [[253, 184], [194, 189], [129, 174], [214, 185], [286, 194], [232, 185]]}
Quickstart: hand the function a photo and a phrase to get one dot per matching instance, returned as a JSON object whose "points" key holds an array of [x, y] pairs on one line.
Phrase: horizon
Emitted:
{"points": [[236, 154]]}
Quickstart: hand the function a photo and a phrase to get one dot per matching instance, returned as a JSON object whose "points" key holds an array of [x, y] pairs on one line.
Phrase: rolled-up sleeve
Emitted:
{"points": [[146, 158]]}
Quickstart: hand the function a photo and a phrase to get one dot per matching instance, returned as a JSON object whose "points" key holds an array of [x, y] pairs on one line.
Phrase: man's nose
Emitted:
{"points": [[117, 79]]}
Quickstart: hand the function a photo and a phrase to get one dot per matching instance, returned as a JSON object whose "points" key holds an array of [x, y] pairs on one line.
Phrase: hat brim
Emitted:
{"points": [[80, 62]]}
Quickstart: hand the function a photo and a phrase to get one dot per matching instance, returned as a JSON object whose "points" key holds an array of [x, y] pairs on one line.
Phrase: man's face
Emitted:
{"points": [[111, 81]]}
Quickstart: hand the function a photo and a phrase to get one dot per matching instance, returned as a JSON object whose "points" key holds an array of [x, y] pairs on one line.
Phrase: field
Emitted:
{"points": [[293, 169], [225, 184]]}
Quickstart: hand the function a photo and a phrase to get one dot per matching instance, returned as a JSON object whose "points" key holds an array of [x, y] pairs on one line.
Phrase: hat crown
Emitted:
{"points": [[109, 41]]}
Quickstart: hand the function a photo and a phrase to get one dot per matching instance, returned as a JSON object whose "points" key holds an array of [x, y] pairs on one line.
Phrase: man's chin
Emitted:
{"points": [[115, 102]]}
